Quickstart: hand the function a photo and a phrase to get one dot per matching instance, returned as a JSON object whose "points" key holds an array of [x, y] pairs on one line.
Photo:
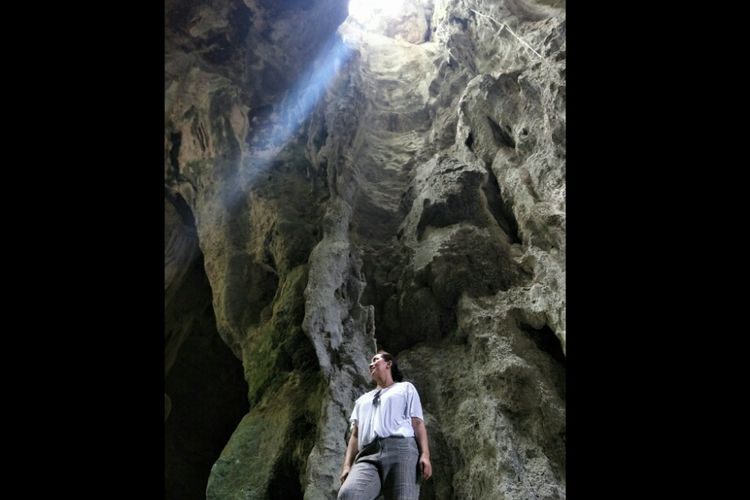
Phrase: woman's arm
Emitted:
{"points": [[424, 448], [351, 452]]}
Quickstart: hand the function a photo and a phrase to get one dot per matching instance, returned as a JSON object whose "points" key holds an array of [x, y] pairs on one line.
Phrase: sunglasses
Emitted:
{"points": [[376, 399]]}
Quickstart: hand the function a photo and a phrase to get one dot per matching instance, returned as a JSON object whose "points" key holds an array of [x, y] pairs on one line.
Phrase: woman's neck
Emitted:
{"points": [[386, 384]]}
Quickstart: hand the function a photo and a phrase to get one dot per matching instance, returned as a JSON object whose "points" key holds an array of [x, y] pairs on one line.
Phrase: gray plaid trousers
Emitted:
{"points": [[388, 466]]}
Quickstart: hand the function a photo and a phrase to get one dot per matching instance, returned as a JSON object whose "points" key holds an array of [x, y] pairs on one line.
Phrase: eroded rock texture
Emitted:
{"points": [[344, 184]]}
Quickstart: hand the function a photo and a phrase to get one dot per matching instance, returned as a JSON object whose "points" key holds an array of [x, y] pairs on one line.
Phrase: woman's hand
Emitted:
{"points": [[425, 466], [344, 473], [420, 432]]}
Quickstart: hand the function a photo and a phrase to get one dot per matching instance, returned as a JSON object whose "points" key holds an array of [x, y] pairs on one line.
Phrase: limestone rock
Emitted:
{"points": [[397, 185]]}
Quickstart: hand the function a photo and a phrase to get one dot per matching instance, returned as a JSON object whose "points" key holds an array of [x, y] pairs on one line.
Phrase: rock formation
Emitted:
{"points": [[335, 185]]}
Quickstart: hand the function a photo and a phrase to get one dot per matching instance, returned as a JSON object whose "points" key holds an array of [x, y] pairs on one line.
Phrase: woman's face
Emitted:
{"points": [[378, 366]]}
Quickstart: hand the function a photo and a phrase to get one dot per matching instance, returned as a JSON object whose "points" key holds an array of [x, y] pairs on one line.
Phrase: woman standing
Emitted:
{"points": [[388, 444]]}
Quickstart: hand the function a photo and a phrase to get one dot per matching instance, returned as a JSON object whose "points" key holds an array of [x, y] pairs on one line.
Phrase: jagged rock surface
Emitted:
{"points": [[403, 186]]}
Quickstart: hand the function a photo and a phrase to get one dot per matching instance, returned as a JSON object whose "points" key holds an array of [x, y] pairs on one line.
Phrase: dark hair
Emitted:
{"points": [[395, 372]]}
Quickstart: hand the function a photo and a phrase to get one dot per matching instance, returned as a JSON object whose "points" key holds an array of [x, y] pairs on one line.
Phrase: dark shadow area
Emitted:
{"points": [[285, 484], [207, 390], [499, 208], [546, 340]]}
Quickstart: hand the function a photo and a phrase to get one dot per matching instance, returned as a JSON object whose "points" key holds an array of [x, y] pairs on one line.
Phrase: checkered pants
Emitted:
{"points": [[390, 466]]}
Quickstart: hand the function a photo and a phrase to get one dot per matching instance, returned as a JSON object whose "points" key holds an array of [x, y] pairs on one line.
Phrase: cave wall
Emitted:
{"points": [[402, 187]]}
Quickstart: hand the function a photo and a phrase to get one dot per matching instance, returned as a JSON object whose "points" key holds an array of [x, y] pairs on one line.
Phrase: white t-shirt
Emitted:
{"points": [[399, 402]]}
